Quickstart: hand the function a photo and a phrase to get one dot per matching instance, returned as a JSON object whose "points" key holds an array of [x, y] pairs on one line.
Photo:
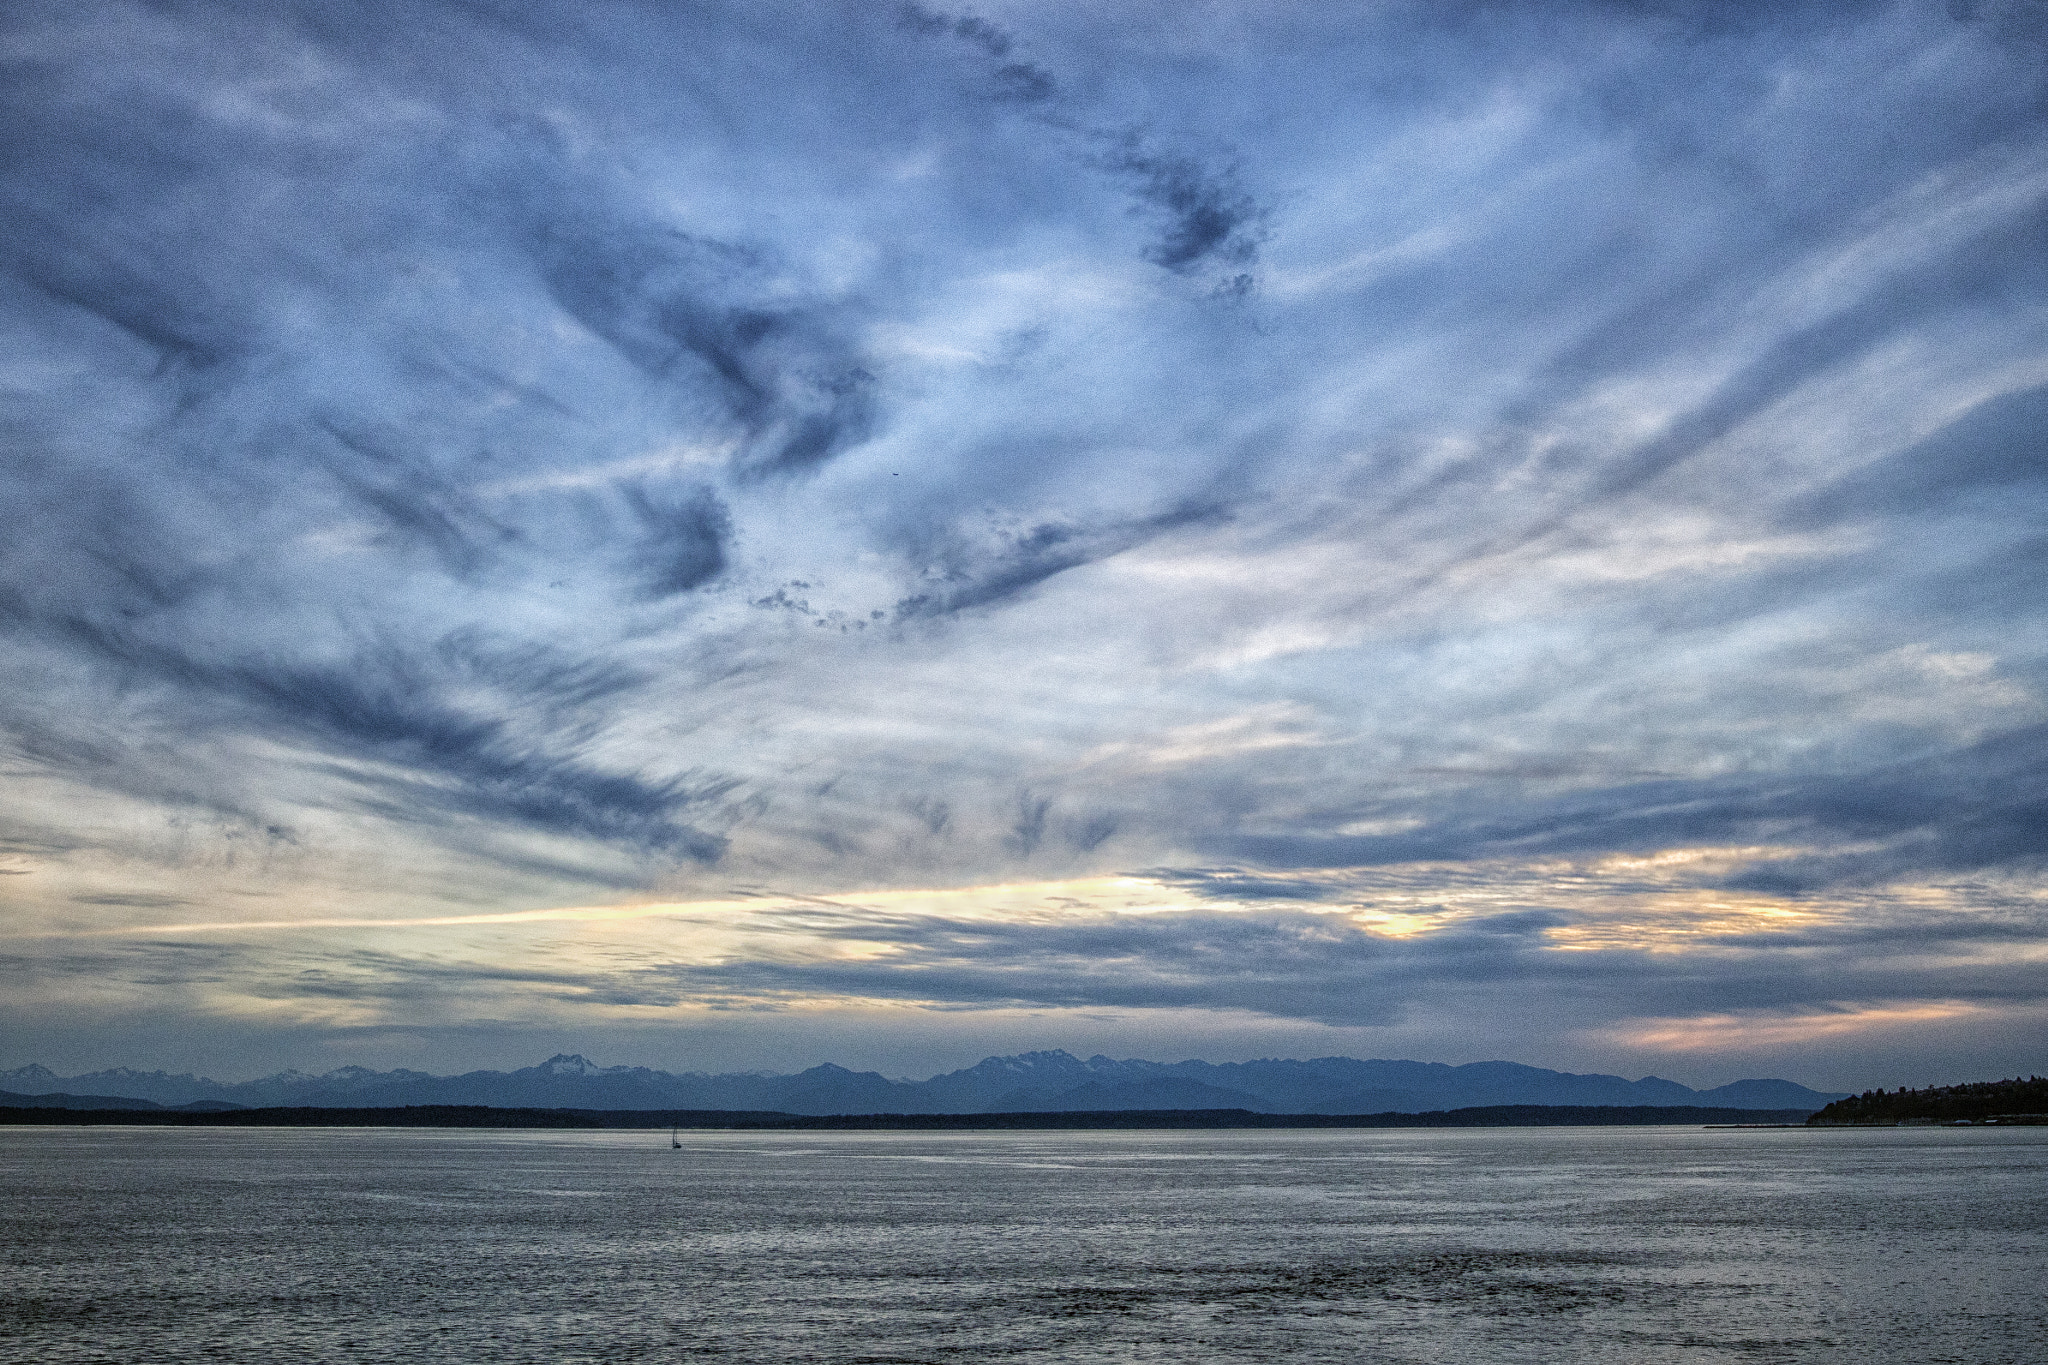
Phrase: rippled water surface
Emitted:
{"points": [[1474, 1245]]}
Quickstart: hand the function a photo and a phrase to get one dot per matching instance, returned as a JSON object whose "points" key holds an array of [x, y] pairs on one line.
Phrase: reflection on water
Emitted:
{"points": [[1475, 1245]]}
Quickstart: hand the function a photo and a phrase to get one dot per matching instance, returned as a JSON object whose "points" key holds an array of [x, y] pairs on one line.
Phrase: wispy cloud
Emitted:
{"points": [[1366, 466]]}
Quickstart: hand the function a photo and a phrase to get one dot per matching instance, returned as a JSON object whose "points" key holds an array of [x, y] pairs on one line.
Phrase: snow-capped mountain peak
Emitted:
{"points": [[569, 1064]]}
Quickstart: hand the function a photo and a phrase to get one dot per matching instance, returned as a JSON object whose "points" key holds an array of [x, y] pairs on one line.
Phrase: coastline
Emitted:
{"points": [[483, 1116]]}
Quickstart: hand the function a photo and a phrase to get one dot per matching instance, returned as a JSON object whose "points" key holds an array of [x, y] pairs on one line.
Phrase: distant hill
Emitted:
{"points": [[1031, 1082], [10, 1100], [1973, 1102], [13, 1101]]}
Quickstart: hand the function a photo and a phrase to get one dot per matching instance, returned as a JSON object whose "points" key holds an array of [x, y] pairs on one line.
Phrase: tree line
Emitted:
{"points": [[1973, 1101]]}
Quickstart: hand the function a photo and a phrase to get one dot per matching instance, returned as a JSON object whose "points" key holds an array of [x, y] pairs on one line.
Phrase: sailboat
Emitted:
{"points": [[673, 1141]]}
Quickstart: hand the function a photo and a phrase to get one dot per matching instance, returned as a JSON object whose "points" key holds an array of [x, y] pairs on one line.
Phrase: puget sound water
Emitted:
{"points": [[1579, 1245]]}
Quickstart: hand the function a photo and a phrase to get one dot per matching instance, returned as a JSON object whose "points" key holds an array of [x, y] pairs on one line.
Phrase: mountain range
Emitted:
{"points": [[1035, 1082]]}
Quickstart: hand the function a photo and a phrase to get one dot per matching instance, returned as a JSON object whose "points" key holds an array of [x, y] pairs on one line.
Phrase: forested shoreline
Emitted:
{"points": [[2013, 1101]]}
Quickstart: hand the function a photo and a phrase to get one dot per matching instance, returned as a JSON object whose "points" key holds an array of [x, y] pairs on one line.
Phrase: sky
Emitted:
{"points": [[726, 536]]}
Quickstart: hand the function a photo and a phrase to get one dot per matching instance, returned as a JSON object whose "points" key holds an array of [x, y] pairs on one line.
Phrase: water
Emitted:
{"points": [[1470, 1246]]}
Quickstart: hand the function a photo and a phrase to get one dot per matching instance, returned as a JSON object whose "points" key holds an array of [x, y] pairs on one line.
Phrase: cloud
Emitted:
{"points": [[683, 542], [1205, 218], [1001, 562], [426, 758], [1309, 966], [1346, 460], [1208, 219], [1322, 968], [1968, 809], [665, 301]]}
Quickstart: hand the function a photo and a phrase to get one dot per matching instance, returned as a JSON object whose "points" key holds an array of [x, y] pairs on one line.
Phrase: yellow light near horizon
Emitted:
{"points": [[1735, 1032], [1653, 902]]}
